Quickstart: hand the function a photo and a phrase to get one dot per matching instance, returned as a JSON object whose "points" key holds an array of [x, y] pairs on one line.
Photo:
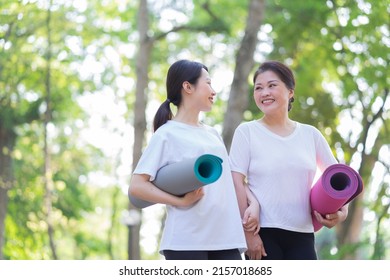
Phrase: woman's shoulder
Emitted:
{"points": [[165, 131], [208, 127], [177, 128], [246, 127], [212, 130], [247, 124], [308, 128], [171, 125]]}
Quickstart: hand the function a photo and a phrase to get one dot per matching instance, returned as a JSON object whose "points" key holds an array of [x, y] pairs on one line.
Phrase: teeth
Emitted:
{"points": [[267, 101]]}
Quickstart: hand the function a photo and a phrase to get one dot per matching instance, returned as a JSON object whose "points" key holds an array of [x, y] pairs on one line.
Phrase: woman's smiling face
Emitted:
{"points": [[270, 93], [204, 92]]}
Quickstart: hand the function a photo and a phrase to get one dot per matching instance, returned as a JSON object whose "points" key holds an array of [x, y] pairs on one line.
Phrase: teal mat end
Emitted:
{"points": [[208, 168]]}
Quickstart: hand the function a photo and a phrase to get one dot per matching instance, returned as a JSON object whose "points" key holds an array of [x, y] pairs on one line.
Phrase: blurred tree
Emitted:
{"points": [[33, 81], [47, 169], [238, 101], [15, 109]]}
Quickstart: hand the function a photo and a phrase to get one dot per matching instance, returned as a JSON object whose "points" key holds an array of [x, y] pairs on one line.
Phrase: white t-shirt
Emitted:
{"points": [[212, 223], [280, 171]]}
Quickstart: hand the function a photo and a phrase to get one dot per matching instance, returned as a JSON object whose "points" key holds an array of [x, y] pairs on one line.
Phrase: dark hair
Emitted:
{"points": [[179, 72], [282, 71]]}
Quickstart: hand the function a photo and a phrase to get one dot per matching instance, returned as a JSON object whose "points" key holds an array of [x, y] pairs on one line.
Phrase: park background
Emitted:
{"points": [[81, 80]]}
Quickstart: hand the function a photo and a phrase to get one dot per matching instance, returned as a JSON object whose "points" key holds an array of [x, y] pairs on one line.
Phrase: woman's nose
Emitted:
{"points": [[265, 92]]}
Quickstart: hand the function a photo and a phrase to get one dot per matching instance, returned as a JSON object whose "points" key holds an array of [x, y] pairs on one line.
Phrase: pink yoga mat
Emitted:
{"points": [[338, 185]]}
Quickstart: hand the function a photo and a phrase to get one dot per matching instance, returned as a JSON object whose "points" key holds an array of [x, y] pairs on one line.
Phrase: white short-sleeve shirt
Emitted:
{"points": [[280, 171], [214, 222]]}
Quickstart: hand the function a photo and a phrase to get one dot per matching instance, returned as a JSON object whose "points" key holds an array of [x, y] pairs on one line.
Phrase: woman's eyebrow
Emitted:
{"points": [[271, 81]]}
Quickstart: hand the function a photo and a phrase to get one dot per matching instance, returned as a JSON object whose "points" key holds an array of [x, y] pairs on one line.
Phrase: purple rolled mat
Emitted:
{"points": [[338, 185]]}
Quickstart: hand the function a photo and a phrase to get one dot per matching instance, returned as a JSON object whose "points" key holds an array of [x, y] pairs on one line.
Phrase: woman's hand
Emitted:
{"points": [[250, 220], [332, 219], [256, 250], [191, 197]]}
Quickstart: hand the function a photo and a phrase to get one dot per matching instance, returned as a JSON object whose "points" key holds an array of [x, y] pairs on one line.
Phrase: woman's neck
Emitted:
{"points": [[187, 117], [276, 121], [280, 126]]}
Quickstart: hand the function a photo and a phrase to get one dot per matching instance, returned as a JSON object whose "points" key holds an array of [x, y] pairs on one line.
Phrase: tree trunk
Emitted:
{"points": [[7, 141], [142, 67], [47, 173], [114, 206], [349, 231], [239, 93]]}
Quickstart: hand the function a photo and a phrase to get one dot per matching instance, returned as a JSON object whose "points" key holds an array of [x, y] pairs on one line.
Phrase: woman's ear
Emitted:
{"points": [[291, 93], [187, 87]]}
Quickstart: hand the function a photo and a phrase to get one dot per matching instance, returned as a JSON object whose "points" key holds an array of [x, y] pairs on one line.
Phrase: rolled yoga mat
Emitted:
{"points": [[185, 176], [338, 185]]}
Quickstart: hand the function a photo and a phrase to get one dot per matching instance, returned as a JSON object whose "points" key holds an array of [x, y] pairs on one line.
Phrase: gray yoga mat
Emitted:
{"points": [[185, 176]]}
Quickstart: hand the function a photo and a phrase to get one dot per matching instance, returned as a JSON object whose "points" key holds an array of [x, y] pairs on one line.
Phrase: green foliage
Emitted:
{"points": [[23, 67], [338, 50]]}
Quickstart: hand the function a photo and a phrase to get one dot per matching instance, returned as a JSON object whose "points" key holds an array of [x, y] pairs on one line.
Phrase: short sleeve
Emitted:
{"points": [[239, 155], [152, 158], [324, 155]]}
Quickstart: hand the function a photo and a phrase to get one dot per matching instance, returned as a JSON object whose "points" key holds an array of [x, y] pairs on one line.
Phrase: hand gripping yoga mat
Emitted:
{"points": [[185, 176], [338, 185]]}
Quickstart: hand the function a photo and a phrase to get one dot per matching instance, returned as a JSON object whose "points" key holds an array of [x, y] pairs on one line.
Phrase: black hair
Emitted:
{"points": [[282, 71], [179, 72]]}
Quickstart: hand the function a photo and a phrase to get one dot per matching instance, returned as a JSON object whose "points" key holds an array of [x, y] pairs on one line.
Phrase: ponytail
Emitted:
{"points": [[162, 115]]}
